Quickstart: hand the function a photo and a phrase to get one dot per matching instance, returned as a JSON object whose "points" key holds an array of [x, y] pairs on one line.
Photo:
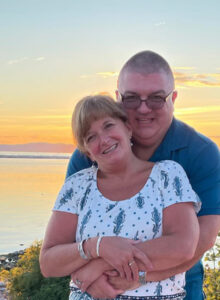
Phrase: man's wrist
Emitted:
{"points": [[142, 277]]}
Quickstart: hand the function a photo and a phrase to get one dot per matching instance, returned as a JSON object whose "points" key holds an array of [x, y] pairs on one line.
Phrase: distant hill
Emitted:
{"points": [[39, 147]]}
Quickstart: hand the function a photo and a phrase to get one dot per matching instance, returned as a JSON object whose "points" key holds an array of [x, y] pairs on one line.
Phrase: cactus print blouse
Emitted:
{"points": [[138, 218]]}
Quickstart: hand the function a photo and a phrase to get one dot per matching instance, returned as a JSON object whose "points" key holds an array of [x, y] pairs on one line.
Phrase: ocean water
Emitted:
{"points": [[29, 184], [28, 188]]}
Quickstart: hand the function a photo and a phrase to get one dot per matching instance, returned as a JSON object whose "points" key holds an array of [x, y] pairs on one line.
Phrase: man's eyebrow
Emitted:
{"points": [[153, 93]]}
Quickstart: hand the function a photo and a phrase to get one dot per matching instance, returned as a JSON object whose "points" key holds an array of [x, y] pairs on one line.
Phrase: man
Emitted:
{"points": [[147, 91]]}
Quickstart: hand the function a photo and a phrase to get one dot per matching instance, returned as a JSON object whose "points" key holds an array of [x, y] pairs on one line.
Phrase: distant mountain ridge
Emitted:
{"points": [[39, 147]]}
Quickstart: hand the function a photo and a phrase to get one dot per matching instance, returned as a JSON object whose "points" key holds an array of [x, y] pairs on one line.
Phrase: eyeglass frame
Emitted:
{"points": [[146, 100]]}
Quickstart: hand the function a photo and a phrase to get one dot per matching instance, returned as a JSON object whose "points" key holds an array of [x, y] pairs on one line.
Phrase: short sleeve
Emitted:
{"points": [[66, 201], [78, 161], [175, 186], [205, 178]]}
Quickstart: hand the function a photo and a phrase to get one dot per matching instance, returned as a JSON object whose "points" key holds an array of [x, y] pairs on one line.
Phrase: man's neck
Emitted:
{"points": [[144, 152]]}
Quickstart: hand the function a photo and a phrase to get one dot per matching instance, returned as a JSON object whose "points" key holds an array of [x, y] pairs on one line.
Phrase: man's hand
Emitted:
{"points": [[121, 283], [102, 289], [89, 273]]}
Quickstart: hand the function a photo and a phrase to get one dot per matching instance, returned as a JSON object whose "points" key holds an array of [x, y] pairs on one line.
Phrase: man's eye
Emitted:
{"points": [[131, 98], [156, 99]]}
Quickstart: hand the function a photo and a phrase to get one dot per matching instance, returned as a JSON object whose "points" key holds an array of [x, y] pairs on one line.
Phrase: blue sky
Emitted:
{"points": [[54, 52]]}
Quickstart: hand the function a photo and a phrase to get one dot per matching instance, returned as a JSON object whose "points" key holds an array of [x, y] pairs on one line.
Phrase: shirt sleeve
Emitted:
{"points": [[66, 202], [175, 186], [205, 178], [77, 162]]}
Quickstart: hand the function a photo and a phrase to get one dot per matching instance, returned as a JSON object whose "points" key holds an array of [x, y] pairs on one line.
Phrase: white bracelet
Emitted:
{"points": [[98, 245], [81, 250]]}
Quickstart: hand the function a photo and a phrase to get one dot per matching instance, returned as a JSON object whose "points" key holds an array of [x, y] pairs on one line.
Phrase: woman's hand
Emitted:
{"points": [[89, 273], [120, 253]]}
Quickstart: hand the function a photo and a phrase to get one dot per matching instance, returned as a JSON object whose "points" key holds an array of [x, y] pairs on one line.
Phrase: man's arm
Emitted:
{"points": [[209, 228], [78, 161]]}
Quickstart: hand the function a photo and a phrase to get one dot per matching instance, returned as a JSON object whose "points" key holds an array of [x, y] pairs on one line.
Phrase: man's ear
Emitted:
{"points": [[117, 96], [174, 96]]}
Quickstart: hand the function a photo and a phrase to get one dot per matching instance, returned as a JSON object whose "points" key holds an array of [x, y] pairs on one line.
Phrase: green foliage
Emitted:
{"points": [[212, 273], [25, 281]]}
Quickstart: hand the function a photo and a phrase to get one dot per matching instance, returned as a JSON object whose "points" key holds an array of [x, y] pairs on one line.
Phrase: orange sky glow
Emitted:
{"points": [[54, 54]]}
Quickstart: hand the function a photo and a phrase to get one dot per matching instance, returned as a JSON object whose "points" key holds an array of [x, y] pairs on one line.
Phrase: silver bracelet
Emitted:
{"points": [[98, 245], [81, 250], [142, 277]]}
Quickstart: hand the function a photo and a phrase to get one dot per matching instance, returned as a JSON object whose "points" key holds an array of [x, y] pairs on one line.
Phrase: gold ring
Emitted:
{"points": [[131, 263]]}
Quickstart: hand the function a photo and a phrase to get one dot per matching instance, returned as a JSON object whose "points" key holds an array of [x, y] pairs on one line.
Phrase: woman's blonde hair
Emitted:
{"points": [[92, 108]]}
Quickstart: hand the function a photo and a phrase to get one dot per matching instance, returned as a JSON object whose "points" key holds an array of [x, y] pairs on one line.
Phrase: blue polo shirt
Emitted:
{"points": [[200, 158]]}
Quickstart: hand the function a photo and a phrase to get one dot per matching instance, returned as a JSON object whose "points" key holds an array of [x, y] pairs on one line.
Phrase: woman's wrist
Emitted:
{"points": [[90, 247]]}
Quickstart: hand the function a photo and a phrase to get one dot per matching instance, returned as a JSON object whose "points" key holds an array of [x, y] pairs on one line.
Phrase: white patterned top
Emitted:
{"points": [[138, 218]]}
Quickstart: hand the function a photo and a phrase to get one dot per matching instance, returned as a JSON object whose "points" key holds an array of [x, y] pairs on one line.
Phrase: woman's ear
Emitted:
{"points": [[89, 155]]}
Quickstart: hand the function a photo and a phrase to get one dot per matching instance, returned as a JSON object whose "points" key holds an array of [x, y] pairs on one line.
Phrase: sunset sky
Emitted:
{"points": [[54, 52]]}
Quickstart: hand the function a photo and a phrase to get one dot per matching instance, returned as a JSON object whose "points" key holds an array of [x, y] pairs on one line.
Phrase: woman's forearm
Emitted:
{"points": [[60, 260]]}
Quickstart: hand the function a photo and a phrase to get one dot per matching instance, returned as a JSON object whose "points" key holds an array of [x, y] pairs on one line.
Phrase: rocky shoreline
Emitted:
{"points": [[7, 262]]}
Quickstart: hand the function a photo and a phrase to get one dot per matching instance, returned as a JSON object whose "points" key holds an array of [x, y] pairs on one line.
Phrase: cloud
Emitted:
{"points": [[40, 58], [107, 74], [22, 59], [17, 61], [197, 80], [85, 76], [100, 74], [160, 24], [184, 68], [197, 110]]}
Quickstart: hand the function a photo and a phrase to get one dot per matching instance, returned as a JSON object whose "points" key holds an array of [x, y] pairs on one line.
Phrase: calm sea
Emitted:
{"points": [[29, 184], [28, 188]]}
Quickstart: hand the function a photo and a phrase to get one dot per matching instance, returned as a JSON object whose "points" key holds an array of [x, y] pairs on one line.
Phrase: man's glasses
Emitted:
{"points": [[134, 101]]}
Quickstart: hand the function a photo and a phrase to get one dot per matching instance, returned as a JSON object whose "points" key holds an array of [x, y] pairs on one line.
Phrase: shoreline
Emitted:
{"points": [[9, 260]]}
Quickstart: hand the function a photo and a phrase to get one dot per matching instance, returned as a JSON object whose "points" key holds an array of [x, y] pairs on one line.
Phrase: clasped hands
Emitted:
{"points": [[115, 271]]}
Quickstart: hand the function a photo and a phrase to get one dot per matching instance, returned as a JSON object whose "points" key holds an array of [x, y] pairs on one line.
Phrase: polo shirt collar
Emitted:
{"points": [[175, 138]]}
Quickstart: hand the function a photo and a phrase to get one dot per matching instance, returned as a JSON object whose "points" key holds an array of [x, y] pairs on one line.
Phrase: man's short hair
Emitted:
{"points": [[147, 62]]}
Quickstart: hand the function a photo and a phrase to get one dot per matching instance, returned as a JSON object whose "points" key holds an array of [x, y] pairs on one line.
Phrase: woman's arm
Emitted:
{"points": [[59, 253]]}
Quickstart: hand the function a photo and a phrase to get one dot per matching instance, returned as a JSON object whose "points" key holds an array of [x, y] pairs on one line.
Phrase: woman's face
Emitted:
{"points": [[107, 141]]}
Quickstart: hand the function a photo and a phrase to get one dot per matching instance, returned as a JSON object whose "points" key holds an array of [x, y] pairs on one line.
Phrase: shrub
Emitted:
{"points": [[212, 273], [25, 282]]}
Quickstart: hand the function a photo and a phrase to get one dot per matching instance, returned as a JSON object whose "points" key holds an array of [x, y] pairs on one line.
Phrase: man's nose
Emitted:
{"points": [[143, 108]]}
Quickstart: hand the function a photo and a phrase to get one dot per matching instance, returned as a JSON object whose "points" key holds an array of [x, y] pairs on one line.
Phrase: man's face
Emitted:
{"points": [[148, 126]]}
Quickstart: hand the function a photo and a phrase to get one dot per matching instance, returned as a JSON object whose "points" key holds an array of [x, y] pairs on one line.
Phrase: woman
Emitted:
{"points": [[103, 216]]}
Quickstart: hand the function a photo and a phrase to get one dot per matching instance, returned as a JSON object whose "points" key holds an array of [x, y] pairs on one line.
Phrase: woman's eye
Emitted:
{"points": [[108, 125], [90, 138]]}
